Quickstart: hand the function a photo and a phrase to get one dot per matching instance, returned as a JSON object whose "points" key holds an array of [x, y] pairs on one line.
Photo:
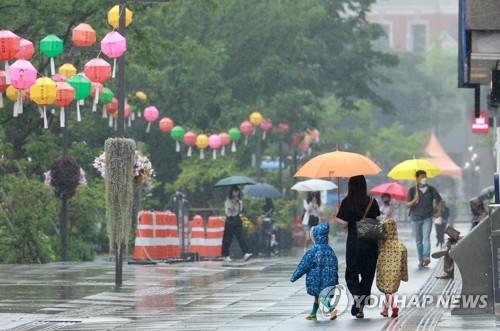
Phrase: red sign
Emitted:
{"points": [[481, 125]]}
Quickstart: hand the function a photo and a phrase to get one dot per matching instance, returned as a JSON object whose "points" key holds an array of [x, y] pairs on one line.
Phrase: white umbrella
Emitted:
{"points": [[312, 185]]}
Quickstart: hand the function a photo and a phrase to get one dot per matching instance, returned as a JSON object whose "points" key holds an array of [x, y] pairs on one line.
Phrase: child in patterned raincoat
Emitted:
{"points": [[392, 266], [321, 266]]}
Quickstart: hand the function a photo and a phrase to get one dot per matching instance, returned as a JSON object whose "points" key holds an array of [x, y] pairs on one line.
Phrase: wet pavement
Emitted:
{"points": [[255, 295]]}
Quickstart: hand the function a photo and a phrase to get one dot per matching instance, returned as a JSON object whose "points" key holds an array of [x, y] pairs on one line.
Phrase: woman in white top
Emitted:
{"points": [[233, 226], [312, 213]]}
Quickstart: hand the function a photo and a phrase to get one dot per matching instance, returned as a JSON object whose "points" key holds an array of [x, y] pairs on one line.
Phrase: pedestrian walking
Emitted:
{"points": [[424, 203], [361, 254], [312, 213], [392, 267], [320, 264], [268, 243], [441, 223], [233, 225]]}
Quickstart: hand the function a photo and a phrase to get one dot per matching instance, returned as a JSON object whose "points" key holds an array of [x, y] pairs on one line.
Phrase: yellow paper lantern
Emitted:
{"points": [[202, 144], [114, 17], [256, 118], [43, 93], [67, 70], [141, 96], [13, 93]]}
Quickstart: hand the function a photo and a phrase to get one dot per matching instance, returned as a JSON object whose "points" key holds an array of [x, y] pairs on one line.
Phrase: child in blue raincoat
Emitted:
{"points": [[321, 266]]}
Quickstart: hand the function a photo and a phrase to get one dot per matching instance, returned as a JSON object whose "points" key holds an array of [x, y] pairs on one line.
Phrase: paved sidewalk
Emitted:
{"points": [[256, 295]]}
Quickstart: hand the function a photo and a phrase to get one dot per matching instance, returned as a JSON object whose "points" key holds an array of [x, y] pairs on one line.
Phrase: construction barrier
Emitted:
{"points": [[298, 231], [214, 234], [157, 236], [198, 236]]}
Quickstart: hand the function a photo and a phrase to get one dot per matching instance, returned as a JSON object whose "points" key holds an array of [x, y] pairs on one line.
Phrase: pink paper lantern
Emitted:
{"points": [[225, 140], [284, 128], [26, 50], [114, 45], [266, 126], [246, 129], [150, 114], [215, 142], [58, 78], [22, 75], [190, 140]]}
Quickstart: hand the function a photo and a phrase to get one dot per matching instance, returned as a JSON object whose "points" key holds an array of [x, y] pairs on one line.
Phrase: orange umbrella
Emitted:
{"points": [[338, 164]]}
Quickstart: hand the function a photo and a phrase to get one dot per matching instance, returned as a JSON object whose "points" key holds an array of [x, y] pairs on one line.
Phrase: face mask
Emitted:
{"points": [[423, 181], [386, 202]]}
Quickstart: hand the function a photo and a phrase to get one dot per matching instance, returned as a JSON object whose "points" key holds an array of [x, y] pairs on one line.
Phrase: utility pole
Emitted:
{"points": [[63, 222]]}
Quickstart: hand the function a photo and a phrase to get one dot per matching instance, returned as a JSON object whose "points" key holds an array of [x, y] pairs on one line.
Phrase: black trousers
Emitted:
{"points": [[361, 263], [440, 228], [233, 227]]}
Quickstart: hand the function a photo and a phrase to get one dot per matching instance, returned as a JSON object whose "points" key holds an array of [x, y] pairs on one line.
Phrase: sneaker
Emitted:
{"points": [[247, 256], [384, 312], [228, 259], [395, 312]]}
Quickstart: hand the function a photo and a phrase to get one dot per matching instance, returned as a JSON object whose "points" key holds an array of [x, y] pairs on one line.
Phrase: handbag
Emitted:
{"points": [[369, 228]]}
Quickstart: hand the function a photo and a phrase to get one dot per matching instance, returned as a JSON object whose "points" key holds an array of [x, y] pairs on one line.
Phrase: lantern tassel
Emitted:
{"points": [[132, 116], [82, 102], [1, 100], [52, 67], [129, 122], [139, 115], [148, 127], [20, 103], [110, 121], [45, 122], [78, 115], [62, 118], [116, 124], [202, 153], [96, 99], [264, 135], [233, 147], [214, 154], [52, 111], [114, 69], [177, 146], [246, 140], [7, 73], [223, 151], [40, 111], [15, 109], [190, 151], [104, 112]]}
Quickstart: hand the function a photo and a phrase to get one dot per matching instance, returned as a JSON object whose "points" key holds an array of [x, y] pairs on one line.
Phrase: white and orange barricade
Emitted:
{"points": [[215, 232], [157, 236], [298, 231], [198, 236]]}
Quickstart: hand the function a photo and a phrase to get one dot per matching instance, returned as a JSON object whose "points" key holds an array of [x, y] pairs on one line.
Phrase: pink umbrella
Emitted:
{"points": [[395, 190], [22, 75], [114, 45]]}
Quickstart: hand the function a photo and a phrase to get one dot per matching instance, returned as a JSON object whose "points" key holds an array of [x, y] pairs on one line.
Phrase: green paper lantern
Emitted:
{"points": [[235, 135], [106, 96], [82, 88], [177, 133], [51, 46]]}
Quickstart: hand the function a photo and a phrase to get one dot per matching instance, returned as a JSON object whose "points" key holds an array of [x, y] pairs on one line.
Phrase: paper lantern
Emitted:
{"points": [[202, 143], [82, 87], [51, 46], [83, 35], [105, 98], [166, 124], [10, 43], [67, 70], [111, 109], [65, 94], [114, 17], [190, 141], [215, 142], [177, 134], [13, 94], [97, 70], [22, 75], [284, 128], [246, 128], [225, 140], [256, 118], [141, 96], [43, 93], [3, 86], [95, 89], [266, 126], [59, 78], [235, 135], [151, 114], [114, 45], [26, 50]]}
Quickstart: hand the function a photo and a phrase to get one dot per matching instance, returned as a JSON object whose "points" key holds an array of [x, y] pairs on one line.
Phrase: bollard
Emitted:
{"points": [[472, 254]]}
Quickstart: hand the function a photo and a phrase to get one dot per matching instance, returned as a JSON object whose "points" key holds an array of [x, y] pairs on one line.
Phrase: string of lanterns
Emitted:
{"points": [[20, 83]]}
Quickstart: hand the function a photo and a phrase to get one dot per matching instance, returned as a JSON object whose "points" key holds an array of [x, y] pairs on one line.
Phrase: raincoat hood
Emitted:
{"points": [[391, 229], [320, 233]]}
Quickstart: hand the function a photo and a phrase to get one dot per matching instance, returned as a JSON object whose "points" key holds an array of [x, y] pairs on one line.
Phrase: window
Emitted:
{"points": [[418, 38]]}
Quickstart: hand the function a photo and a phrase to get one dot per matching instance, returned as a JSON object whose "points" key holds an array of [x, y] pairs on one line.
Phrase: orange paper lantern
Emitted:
{"points": [[83, 35]]}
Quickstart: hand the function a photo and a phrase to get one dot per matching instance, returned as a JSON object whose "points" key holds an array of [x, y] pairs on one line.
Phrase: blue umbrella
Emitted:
{"points": [[261, 190]]}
